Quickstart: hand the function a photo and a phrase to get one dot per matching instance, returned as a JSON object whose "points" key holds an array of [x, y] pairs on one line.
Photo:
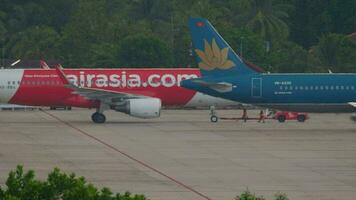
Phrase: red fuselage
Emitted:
{"points": [[39, 87]]}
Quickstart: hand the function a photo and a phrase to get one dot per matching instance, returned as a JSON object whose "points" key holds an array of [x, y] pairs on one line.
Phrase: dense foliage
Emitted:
{"points": [[22, 185], [278, 35], [247, 195]]}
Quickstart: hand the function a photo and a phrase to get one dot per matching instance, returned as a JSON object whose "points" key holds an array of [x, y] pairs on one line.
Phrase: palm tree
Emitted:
{"points": [[266, 18]]}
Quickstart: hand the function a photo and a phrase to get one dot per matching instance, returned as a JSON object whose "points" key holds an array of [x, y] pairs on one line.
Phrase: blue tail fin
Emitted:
{"points": [[214, 55]]}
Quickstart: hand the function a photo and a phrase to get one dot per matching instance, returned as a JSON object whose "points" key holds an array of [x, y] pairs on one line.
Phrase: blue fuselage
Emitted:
{"points": [[294, 92]]}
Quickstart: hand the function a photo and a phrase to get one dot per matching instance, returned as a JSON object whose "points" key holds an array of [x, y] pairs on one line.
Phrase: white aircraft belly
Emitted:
{"points": [[200, 99]]}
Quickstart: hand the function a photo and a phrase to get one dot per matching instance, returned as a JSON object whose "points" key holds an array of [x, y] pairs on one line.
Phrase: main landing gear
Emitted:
{"points": [[98, 117]]}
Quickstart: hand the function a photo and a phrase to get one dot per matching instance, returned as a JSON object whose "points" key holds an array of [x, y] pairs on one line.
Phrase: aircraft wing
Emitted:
{"points": [[94, 93], [220, 86], [100, 94]]}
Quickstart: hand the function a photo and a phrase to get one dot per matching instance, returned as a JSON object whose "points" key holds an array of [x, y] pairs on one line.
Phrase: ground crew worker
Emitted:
{"points": [[262, 117], [244, 115]]}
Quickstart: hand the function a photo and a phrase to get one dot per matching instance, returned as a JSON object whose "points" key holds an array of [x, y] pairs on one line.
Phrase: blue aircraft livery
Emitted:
{"points": [[226, 75]]}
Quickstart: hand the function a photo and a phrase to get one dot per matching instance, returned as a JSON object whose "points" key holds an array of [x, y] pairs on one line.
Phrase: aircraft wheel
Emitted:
{"points": [[214, 118], [301, 118], [281, 118], [98, 118]]}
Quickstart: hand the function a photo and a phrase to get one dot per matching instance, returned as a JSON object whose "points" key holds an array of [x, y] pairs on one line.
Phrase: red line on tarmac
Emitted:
{"points": [[128, 156]]}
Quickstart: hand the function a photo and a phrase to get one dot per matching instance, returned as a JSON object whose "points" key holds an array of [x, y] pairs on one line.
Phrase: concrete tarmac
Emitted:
{"points": [[183, 156]]}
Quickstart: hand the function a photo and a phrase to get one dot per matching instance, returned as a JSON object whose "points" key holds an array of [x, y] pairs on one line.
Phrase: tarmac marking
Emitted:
{"points": [[128, 156]]}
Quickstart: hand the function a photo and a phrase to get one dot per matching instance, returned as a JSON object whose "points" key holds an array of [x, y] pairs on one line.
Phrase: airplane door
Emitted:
{"points": [[256, 88]]}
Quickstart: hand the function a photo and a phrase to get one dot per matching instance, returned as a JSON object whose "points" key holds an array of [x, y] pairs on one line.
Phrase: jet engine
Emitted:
{"points": [[141, 108]]}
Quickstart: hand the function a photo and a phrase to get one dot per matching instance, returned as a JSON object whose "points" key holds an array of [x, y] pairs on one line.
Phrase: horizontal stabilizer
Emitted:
{"points": [[353, 104], [219, 87]]}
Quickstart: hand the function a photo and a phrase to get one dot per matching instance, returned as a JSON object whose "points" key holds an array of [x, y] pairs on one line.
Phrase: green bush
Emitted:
{"points": [[281, 196], [247, 195], [22, 185]]}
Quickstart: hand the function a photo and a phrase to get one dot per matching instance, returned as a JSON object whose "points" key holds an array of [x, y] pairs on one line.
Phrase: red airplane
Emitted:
{"points": [[137, 92]]}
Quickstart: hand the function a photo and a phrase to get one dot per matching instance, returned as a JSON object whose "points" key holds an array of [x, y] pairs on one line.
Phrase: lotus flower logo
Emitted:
{"points": [[212, 57]]}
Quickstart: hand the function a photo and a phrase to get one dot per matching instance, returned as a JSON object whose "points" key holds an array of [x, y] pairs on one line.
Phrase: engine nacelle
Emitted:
{"points": [[141, 108]]}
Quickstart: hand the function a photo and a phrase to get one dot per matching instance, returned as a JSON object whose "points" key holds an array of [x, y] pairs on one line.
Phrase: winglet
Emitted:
{"points": [[62, 75]]}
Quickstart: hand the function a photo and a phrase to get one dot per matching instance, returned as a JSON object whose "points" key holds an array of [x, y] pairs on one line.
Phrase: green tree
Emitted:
{"points": [[88, 26], [336, 52], [144, 51], [266, 18], [22, 185], [288, 57], [2, 25], [205, 8], [247, 44], [34, 43], [103, 55], [90, 32], [342, 16], [307, 21]]}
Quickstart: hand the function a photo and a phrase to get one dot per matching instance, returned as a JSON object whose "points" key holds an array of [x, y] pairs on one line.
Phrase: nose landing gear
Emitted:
{"points": [[213, 117]]}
